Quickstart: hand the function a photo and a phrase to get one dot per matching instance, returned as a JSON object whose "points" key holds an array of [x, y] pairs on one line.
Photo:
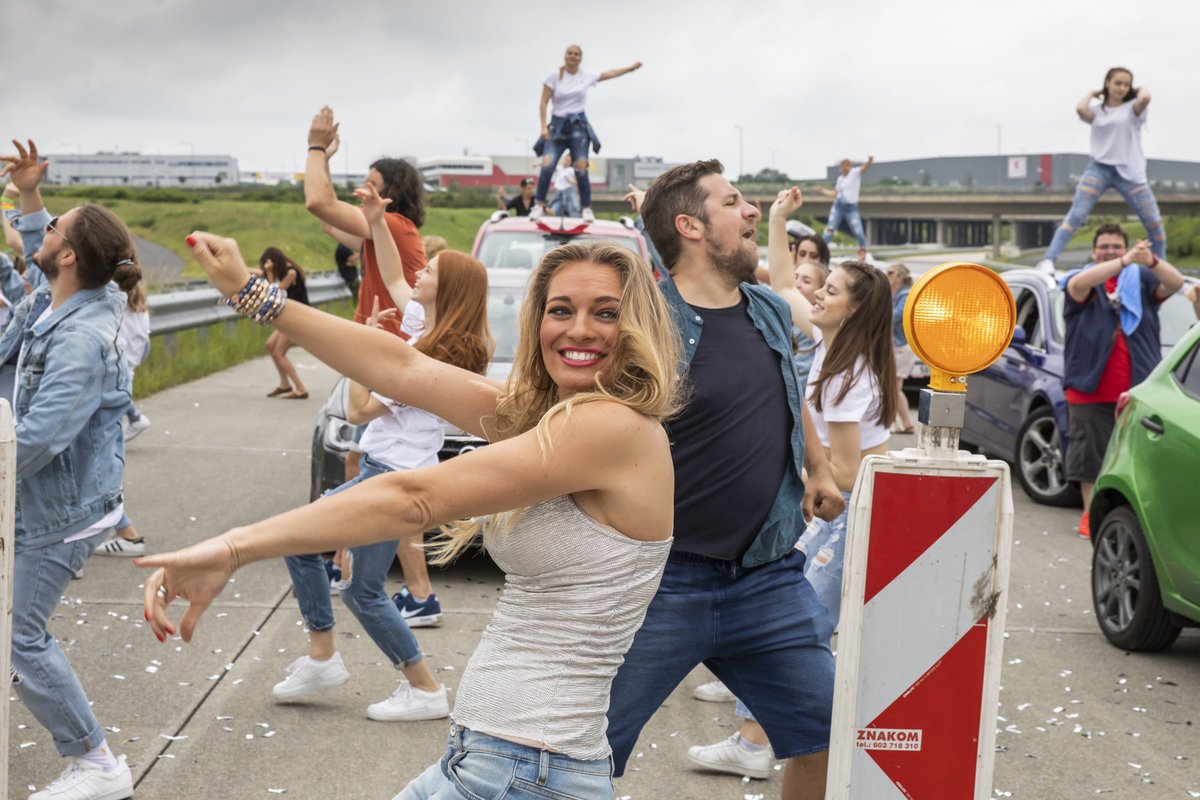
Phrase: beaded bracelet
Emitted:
{"points": [[259, 300]]}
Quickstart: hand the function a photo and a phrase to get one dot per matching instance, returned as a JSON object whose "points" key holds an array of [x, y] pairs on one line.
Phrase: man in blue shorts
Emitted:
{"points": [[733, 594]]}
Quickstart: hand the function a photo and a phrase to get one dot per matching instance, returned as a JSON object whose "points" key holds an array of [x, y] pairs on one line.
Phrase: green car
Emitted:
{"points": [[1145, 513]]}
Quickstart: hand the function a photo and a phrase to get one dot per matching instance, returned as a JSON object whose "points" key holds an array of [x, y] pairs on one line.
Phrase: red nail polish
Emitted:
{"points": [[191, 240], [146, 614], [160, 636]]}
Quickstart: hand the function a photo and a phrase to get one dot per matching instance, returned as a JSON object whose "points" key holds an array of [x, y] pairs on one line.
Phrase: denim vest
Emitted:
{"points": [[1090, 329], [773, 318], [898, 337], [70, 394]]}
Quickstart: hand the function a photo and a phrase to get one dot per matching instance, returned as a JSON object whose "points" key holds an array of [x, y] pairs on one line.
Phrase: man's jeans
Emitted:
{"points": [[366, 597], [566, 203], [848, 212], [1096, 180], [47, 684]]}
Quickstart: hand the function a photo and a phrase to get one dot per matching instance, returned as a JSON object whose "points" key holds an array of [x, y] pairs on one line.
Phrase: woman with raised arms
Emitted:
{"points": [[578, 450]]}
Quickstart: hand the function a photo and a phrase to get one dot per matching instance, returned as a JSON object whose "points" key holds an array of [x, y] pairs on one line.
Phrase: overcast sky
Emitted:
{"points": [[808, 82]]}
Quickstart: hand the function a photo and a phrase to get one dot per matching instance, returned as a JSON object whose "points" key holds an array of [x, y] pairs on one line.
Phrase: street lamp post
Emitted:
{"points": [[741, 152]]}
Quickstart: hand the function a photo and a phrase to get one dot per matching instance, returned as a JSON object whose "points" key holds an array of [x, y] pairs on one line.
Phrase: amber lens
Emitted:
{"points": [[959, 318]]}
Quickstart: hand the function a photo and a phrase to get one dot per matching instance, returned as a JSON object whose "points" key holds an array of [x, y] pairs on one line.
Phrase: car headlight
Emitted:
{"points": [[339, 434]]}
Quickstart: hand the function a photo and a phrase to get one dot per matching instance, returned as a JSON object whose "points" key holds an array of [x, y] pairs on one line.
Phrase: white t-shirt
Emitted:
{"points": [[569, 95], [135, 333], [1117, 139], [848, 185], [861, 404], [413, 323], [564, 178], [405, 437]]}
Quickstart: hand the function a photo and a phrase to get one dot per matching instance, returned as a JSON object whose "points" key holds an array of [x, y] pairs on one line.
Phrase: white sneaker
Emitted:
{"points": [[127, 548], [85, 780], [713, 692], [537, 212], [1046, 266], [409, 704], [729, 756], [587, 216], [136, 427], [305, 676]]}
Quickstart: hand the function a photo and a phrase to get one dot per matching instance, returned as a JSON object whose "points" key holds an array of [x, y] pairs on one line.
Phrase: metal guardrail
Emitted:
{"points": [[183, 309]]}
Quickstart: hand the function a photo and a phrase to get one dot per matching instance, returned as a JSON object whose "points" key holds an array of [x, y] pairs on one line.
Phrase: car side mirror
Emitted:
{"points": [[1018, 338]]}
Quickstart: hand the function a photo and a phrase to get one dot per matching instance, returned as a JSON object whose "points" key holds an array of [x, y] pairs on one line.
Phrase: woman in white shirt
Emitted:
{"points": [[568, 127], [852, 394], [1116, 114], [566, 189], [845, 203]]}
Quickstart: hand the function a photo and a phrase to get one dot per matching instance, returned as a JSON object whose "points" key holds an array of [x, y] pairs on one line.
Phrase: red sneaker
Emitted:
{"points": [[1083, 530]]}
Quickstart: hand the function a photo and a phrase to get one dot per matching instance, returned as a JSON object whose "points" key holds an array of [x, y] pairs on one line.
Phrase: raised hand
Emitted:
{"points": [[197, 574], [377, 316], [1140, 253], [373, 205], [787, 202], [221, 260], [24, 169], [323, 130], [635, 197], [333, 147]]}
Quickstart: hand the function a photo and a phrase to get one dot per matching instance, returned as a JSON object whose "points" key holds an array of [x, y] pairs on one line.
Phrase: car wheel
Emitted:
{"points": [[1125, 587], [1039, 460]]}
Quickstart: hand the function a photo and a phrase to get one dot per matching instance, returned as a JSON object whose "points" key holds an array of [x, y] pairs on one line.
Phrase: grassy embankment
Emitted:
{"points": [[256, 224]]}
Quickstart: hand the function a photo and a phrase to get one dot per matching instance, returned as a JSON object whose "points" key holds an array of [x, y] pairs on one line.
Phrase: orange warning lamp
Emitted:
{"points": [[959, 318]]}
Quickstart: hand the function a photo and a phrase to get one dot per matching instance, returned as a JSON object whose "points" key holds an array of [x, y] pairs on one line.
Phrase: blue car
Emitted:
{"points": [[1016, 408]]}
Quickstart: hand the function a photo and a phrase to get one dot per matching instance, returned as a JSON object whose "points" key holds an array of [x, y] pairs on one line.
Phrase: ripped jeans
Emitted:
{"points": [[1096, 180], [847, 212]]}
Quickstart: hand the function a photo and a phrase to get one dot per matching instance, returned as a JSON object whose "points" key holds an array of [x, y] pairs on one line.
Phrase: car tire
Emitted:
{"points": [[1039, 461], [1125, 593]]}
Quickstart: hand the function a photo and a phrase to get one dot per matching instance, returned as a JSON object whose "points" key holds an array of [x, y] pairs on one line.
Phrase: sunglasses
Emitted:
{"points": [[52, 227]]}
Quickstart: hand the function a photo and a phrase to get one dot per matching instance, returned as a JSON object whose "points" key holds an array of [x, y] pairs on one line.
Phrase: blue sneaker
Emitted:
{"points": [[332, 571], [418, 613]]}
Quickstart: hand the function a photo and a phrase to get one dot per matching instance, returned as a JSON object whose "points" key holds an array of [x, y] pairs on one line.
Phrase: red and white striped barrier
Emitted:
{"points": [[922, 628]]}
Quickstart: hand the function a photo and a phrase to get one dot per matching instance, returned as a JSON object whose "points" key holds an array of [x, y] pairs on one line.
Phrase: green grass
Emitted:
{"points": [[177, 358], [257, 225]]}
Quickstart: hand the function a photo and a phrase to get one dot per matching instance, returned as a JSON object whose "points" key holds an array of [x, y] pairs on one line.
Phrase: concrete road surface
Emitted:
{"points": [[1078, 718]]}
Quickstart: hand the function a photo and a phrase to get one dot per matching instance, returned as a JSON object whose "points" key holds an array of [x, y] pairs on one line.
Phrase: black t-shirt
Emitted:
{"points": [[297, 291], [519, 205], [732, 443]]}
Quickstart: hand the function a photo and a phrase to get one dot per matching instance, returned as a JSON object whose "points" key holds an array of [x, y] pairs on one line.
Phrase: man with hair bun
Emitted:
{"points": [[72, 390]]}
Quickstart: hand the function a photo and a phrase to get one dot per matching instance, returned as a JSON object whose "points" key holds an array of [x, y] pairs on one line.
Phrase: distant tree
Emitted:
{"points": [[765, 175], [182, 179], [969, 180], [220, 178]]}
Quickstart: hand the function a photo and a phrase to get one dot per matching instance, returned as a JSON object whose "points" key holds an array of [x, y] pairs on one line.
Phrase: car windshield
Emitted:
{"points": [[524, 249], [1176, 316], [504, 309]]}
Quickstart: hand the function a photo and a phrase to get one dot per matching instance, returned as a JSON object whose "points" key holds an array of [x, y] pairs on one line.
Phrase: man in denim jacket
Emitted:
{"points": [[72, 388], [733, 594]]}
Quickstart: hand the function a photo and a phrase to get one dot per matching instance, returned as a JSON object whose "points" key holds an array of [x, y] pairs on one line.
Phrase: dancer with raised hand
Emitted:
{"points": [[1116, 113], [568, 127], [845, 203], [452, 289], [852, 396], [393, 178], [71, 391], [578, 447], [740, 498]]}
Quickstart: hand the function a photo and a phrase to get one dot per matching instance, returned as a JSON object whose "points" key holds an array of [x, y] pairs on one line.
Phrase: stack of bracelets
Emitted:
{"points": [[259, 300]]}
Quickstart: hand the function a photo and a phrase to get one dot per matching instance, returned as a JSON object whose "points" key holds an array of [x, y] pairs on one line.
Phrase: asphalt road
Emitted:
{"points": [[1077, 718]]}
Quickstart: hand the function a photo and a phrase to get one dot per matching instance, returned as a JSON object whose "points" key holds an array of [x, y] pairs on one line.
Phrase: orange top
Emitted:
{"points": [[412, 253]]}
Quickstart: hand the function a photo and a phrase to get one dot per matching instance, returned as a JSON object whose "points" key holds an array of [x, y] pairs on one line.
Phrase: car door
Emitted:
{"points": [[1168, 453], [998, 393]]}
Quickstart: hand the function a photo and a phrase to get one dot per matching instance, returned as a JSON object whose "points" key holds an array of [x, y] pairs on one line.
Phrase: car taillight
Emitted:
{"points": [[1122, 401]]}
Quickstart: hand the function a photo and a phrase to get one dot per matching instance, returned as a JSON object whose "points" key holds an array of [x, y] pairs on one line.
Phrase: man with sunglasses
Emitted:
{"points": [[1112, 344], [72, 389]]}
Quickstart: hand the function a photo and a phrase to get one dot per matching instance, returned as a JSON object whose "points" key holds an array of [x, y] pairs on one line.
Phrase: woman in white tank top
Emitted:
{"points": [[578, 448]]}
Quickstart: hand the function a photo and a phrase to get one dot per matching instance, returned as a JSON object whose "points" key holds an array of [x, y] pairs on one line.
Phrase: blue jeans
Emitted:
{"points": [[48, 686], [366, 597], [576, 140], [761, 631], [481, 767], [824, 545], [1096, 180], [848, 212], [566, 204]]}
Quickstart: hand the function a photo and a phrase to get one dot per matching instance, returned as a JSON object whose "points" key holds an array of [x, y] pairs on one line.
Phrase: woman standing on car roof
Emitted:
{"points": [[452, 291], [568, 127], [1117, 162], [578, 449], [852, 397]]}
